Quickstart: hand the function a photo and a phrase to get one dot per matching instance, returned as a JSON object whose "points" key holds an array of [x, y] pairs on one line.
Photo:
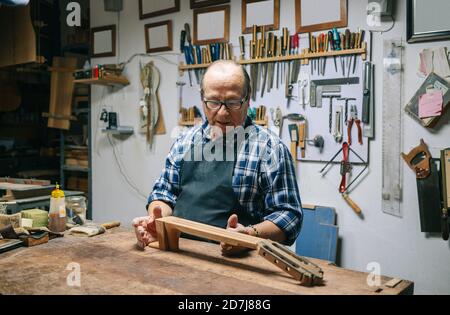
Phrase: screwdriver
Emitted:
{"points": [[348, 36], [331, 46], [310, 51]]}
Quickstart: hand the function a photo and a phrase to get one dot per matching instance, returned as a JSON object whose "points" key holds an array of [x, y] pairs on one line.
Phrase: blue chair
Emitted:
{"points": [[319, 234]]}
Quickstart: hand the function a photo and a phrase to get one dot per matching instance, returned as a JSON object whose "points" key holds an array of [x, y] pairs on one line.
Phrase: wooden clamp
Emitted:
{"points": [[169, 229], [302, 138]]}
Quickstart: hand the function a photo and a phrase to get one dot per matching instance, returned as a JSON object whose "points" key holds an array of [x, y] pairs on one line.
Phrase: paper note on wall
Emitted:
{"points": [[434, 60], [430, 104]]}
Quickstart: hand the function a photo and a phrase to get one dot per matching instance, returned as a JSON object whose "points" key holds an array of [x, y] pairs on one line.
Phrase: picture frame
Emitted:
{"points": [[103, 41], [195, 4], [159, 36], [211, 25], [308, 18], [258, 12], [424, 20], [152, 8]]}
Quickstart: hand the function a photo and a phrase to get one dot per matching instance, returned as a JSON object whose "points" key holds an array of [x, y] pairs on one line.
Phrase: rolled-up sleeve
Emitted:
{"points": [[167, 186], [281, 194]]}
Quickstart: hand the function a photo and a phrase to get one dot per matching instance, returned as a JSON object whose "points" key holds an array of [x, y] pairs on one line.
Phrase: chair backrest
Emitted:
{"points": [[319, 234]]}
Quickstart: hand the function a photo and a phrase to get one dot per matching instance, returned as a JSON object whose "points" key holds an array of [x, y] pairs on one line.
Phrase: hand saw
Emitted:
{"points": [[445, 166], [428, 189], [169, 229]]}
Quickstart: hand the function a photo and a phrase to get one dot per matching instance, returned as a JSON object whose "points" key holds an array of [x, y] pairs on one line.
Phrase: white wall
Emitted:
{"points": [[396, 243]]}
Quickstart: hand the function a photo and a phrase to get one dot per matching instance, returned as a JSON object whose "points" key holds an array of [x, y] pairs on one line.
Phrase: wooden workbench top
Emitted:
{"points": [[111, 264]]}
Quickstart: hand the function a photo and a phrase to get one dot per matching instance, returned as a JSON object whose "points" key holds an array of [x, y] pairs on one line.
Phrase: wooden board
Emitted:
{"points": [[61, 92], [160, 128], [16, 188], [17, 36], [199, 268]]}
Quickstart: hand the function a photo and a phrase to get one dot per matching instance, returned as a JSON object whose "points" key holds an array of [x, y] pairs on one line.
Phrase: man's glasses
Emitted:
{"points": [[230, 104]]}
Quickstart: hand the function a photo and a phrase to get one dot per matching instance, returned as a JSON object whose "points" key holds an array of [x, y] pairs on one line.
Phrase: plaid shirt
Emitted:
{"points": [[263, 180]]}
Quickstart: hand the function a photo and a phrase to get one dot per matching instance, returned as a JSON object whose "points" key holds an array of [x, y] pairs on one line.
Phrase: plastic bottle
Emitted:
{"points": [[57, 214]]}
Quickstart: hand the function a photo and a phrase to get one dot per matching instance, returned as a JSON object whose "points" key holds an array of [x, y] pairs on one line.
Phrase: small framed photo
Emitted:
{"points": [[103, 41], [158, 36], [212, 25], [310, 18], [261, 13], [427, 20], [151, 8], [195, 4]]}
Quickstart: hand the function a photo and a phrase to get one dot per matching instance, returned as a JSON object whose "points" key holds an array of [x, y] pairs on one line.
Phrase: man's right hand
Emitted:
{"points": [[145, 228]]}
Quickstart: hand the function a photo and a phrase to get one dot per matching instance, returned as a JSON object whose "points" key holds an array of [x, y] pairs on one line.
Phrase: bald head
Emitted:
{"points": [[226, 81], [227, 70]]}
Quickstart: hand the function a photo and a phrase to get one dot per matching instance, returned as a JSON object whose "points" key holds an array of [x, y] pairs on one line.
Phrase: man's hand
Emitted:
{"points": [[145, 228], [235, 226]]}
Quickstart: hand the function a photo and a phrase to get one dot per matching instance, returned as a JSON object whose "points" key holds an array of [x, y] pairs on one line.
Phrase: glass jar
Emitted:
{"points": [[76, 205]]}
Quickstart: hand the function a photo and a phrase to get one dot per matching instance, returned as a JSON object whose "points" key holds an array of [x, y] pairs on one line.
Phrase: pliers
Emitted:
{"points": [[354, 119]]}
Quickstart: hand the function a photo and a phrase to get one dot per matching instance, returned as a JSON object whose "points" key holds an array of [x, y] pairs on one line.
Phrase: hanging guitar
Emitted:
{"points": [[149, 105], [11, 98], [346, 168]]}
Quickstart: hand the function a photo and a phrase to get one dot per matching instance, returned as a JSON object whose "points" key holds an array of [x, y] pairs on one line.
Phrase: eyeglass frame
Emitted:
{"points": [[224, 103]]}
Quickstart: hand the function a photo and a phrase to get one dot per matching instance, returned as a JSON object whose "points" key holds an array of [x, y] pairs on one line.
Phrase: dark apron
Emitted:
{"points": [[206, 193]]}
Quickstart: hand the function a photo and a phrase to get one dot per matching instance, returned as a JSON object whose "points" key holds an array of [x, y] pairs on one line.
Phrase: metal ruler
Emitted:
{"points": [[392, 127], [314, 84]]}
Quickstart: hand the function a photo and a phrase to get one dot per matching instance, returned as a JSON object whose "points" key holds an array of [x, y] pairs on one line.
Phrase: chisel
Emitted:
{"points": [[242, 47], [332, 48], [187, 29], [348, 37]]}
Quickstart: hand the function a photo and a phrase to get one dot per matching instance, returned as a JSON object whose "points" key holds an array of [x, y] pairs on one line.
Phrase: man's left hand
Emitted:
{"points": [[235, 226]]}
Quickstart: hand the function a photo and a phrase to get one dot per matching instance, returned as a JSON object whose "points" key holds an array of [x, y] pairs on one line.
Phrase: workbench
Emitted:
{"points": [[15, 206], [112, 264]]}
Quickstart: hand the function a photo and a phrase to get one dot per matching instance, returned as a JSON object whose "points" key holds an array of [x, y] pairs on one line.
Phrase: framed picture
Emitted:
{"points": [[158, 36], [212, 25], [262, 13], [151, 8], [427, 20], [103, 41], [317, 15], [206, 3]]}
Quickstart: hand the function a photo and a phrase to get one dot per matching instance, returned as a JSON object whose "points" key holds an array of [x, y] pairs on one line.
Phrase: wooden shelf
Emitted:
{"points": [[190, 123], [75, 168], [263, 123], [121, 130], [111, 81], [304, 56], [186, 123]]}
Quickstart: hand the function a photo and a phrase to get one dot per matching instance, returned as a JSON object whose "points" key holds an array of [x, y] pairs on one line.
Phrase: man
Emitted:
{"points": [[255, 192]]}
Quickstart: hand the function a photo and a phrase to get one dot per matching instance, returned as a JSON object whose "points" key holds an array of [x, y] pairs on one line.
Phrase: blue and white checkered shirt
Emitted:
{"points": [[263, 180]]}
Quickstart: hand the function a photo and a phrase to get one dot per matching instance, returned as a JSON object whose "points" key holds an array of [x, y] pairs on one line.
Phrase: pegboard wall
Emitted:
{"points": [[317, 117]]}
